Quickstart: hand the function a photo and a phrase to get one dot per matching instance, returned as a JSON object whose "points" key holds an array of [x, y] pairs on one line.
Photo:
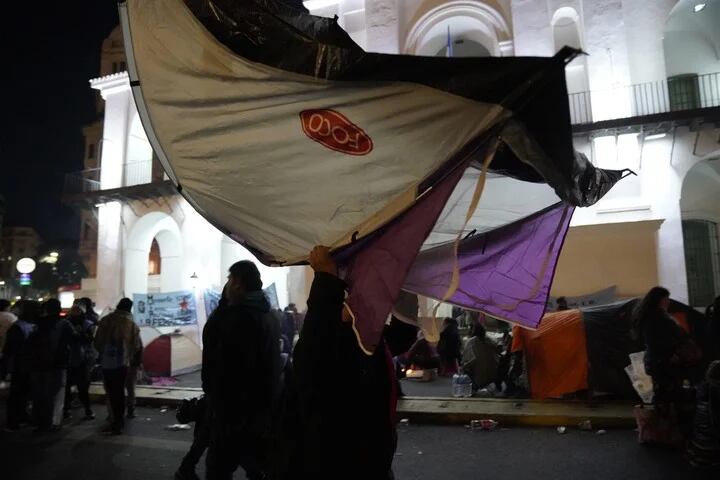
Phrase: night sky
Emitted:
{"points": [[49, 50]]}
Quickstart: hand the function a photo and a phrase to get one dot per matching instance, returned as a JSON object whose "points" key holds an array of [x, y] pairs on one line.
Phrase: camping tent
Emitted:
{"points": [[168, 355], [283, 133], [588, 349]]}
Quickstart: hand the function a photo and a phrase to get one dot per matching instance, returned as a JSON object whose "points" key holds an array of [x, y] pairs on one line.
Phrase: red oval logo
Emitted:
{"points": [[334, 131]]}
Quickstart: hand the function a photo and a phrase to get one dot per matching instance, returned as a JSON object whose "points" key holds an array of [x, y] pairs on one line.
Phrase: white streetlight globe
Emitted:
{"points": [[25, 265]]}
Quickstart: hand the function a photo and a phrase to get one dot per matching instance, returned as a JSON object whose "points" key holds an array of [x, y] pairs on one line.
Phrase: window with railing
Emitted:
{"points": [[681, 92]]}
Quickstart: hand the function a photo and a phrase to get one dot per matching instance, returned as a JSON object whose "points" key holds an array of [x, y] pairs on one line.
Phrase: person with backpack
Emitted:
{"points": [[49, 350], [82, 359], [117, 342], [16, 362]]}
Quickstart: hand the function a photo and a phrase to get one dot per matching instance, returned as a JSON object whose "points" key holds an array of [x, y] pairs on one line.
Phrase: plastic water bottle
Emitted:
{"points": [[461, 385]]}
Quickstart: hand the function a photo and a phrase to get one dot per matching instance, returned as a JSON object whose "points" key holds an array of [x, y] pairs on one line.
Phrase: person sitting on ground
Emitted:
{"points": [[449, 348], [480, 358], [423, 356], [49, 349], [337, 382], [82, 359], [16, 362], [117, 342]]}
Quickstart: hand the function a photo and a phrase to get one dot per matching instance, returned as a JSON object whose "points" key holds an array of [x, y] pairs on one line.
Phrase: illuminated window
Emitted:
{"points": [[154, 259]]}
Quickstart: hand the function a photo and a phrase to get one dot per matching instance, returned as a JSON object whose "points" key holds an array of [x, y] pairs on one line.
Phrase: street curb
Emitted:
{"points": [[441, 410]]}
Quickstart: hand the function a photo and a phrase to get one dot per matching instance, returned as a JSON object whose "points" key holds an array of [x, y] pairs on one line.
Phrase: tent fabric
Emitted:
{"points": [[171, 355], [506, 272], [608, 330], [284, 134], [555, 354], [589, 348], [223, 86]]}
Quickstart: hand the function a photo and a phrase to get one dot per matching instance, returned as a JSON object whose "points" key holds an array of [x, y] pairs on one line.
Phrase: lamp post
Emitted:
{"points": [[25, 266]]}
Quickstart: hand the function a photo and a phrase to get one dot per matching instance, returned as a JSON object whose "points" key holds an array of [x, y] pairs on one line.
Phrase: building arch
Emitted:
{"points": [[567, 31], [691, 44], [161, 227], [700, 213], [472, 21]]}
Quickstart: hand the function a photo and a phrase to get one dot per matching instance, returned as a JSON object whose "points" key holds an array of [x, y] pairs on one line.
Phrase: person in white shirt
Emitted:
{"points": [[7, 318]]}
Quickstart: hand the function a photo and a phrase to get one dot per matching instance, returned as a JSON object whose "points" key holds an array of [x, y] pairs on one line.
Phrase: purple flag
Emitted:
{"points": [[376, 271], [506, 272]]}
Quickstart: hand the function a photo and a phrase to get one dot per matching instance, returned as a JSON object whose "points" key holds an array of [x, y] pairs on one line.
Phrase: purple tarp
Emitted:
{"points": [[506, 272], [375, 272]]}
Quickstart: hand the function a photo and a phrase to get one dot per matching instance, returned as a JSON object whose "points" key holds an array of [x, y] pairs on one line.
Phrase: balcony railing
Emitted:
{"points": [[684, 92], [83, 181], [133, 173]]}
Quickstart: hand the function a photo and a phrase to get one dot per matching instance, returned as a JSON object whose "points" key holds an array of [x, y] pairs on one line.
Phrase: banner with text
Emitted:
{"points": [[173, 309], [212, 298]]}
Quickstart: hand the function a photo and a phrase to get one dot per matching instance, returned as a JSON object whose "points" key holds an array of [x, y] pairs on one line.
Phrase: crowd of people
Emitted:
{"points": [[275, 406], [46, 352]]}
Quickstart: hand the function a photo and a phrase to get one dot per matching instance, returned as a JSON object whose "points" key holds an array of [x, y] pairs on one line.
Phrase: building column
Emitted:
{"points": [[119, 107], [109, 255], [115, 90], [383, 27]]}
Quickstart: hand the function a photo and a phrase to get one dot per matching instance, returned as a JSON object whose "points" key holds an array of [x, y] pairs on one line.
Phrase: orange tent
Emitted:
{"points": [[555, 353]]}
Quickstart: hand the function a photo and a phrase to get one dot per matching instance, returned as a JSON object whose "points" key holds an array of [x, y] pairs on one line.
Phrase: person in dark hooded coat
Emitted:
{"points": [[449, 348], [346, 398], [240, 375]]}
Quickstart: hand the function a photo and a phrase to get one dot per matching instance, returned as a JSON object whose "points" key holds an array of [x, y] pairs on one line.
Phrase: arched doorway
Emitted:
{"points": [[567, 31], [160, 229], [460, 28], [700, 207]]}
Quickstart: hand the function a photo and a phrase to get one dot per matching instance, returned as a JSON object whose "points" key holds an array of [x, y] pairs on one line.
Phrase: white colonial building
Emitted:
{"points": [[138, 235], [646, 97]]}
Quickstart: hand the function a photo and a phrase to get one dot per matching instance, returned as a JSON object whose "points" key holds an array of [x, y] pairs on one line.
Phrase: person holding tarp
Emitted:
{"points": [[346, 396]]}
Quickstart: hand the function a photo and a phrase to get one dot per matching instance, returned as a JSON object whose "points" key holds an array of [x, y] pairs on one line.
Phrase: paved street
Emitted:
{"points": [[149, 452]]}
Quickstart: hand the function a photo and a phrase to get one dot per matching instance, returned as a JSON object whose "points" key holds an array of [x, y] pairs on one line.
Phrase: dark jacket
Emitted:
{"points": [[241, 363], [344, 397], [82, 350], [662, 336], [16, 357], [118, 341], [49, 344], [450, 346]]}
